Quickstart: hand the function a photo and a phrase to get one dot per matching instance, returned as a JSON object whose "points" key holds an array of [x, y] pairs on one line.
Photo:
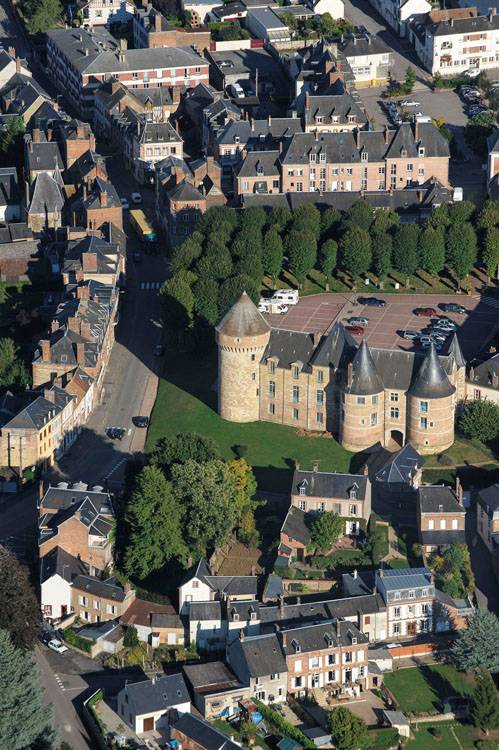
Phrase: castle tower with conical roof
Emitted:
{"points": [[242, 337], [431, 407], [362, 414]]}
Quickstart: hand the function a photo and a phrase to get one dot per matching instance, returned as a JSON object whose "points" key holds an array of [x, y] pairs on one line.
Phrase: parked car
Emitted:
{"points": [[140, 421], [472, 72], [282, 309], [264, 305], [425, 338], [116, 433], [410, 103], [410, 335], [356, 330], [235, 89], [446, 325], [57, 645], [159, 350], [358, 321], [124, 203], [425, 312], [453, 307], [136, 199], [372, 301], [287, 296]]}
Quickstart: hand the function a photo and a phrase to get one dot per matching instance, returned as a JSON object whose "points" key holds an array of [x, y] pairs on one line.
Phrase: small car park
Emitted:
{"points": [[372, 301], [410, 335], [358, 321], [58, 646], [453, 307], [425, 312]]}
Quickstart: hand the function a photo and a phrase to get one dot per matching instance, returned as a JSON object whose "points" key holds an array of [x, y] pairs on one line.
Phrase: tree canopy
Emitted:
{"points": [[484, 710], [42, 15], [476, 647], [19, 611], [479, 419], [182, 447], [13, 374], [348, 732], [326, 529], [355, 251]]}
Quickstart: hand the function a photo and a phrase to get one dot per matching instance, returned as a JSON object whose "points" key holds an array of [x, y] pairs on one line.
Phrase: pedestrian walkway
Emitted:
{"points": [[147, 285]]}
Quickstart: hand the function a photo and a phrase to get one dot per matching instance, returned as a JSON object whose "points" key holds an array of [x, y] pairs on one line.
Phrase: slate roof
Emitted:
{"points": [[356, 45], [109, 589], [203, 734], [401, 465], [271, 129], [443, 536], [184, 191], [166, 621], [263, 655], [431, 380], [141, 612], [317, 608], [358, 584], [334, 349], [59, 562], [438, 499], [243, 319], [289, 347], [203, 611], [328, 484], [328, 634], [489, 498], [214, 675], [35, 414], [328, 106], [10, 194], [45, 156], [365, 379], [295, 525], [47, 196], [159, 694], [471, 25], [486, 374], [66, 496], [454, 350], [405, 578], [264, 163]]}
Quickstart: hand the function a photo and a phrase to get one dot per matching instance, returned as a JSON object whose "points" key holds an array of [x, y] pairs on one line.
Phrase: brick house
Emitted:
{"points": [[332, 113], [97, 205], [95, 600], [57, 146], [30, 431], [487, 510], [58, 569], [151, 29], [194, 733], [440, 516], [145, 142], [294, 536], [238, 137], [332, 654]]}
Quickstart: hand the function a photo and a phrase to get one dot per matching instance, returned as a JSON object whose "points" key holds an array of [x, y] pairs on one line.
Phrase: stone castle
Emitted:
{"points": [[329, 383]]}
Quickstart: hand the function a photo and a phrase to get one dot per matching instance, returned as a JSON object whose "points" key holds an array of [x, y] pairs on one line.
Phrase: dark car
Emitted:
{"points": [[453, 307], [372, 301], [141, 421], [425, 312], [357, 330], [116, 433]]}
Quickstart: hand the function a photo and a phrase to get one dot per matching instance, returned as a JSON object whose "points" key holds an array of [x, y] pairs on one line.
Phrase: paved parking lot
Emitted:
{"points": [[318, 312], [435, 104]]}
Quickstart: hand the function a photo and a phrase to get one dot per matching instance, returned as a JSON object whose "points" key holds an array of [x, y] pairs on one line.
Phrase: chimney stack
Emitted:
{"points": [[54, 326], [103, 199], [80, 353], [307, 102], [459, 491], [349, 374], [386, 133], [49, 395], [416, 129], [241, 635], [354, 574], [36, 135], [89, 263], [157, 22], [281, 605], [83, 292], [357, 137], [18, 64], [45, 347]]}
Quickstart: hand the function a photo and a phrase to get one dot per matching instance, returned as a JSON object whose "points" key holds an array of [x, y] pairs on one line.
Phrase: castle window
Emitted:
{"points": [[296, 414], [423, 407], [361, 400], [319, 398], [272, 388], [296, 394], [272, 367], [374, 419], [320, 418], [252, 357], [394, 412], [394, 397], [423, 423], [296, 373], [320, 376], [253, 376], [272, 408], [374, 400]]}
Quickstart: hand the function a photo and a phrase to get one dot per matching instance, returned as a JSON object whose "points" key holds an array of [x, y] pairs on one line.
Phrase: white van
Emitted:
{"points": [[288, 296]]}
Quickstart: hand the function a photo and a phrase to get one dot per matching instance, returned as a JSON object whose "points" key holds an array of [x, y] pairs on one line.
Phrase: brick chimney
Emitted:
{"points": [[73, 324], [416, 129], [357, 137], [85, 330], [459, 491], [83, 292], [241, 635], [45, 347], [157, 22], [89, 263], [36, 135], [103, 199], [175, 94], [18, 64], [349, 374], [49, 395], [307, 102], [386, 131], [80, 353]]}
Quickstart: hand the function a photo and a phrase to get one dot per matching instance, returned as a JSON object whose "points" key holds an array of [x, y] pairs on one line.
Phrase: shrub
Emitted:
{"points": [[385, 739], [436, 732], [284, 727], [487, 745], [131, 638], [71, 637], [240, 450]]}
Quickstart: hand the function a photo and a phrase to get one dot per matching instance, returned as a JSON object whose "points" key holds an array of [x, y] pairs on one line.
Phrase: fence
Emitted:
{"points": [[90, 722]]}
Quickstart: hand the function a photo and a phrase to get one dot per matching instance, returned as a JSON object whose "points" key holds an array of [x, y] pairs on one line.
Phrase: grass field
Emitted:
{"points": [[186, 402], [424, 689]]}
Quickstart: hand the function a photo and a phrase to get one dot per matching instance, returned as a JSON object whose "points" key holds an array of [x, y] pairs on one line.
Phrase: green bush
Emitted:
{"points": [[347, 557], [77, 641], [385, 739], [487, 745], [284, 727], [240, 450]]}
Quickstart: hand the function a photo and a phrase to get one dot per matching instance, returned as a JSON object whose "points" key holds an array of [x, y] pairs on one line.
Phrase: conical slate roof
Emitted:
{"points": [[365, 379], [431, 380], [243, 319], [454, 350]]}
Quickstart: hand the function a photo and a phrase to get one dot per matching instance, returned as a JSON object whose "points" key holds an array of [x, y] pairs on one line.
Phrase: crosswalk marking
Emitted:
{"points": [[151, 284], [60, 683]]}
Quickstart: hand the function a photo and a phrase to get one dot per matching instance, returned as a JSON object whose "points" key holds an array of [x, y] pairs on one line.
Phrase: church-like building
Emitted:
{"points": [[329, 383]]}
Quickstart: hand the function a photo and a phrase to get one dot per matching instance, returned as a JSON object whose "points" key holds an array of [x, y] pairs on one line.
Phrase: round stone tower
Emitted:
{"points": [[242, 336], [431, 407], [458, 367], [363, 402]]}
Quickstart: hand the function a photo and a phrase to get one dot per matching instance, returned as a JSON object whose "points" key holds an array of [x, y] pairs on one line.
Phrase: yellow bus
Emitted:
{"points": [[139, 222]]}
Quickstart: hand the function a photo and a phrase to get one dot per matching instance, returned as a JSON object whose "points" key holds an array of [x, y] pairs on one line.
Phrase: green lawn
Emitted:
{"points": [[424, 689], [424, 739], [470, 476], [462, 452], [186, 402]]}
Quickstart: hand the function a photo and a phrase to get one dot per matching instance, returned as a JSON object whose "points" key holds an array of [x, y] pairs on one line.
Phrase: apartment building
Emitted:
{"points": [[102, 12], [399, 13], [113, 97], [451, 42], [30, 430], [56, 147], [95, 600], [238, 138], [408, 595], [200, 585], [487, 512], [332, 113], [151, 29], [79, 61], [145, 142], [348, 495], [440, 516], [332, 654]]}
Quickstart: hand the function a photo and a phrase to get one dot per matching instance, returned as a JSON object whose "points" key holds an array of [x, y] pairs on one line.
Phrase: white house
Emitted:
{"points": [[58, 569], [145, 706], [335, 7], [398, 13], [199, 585], [206, 628], [408, 594], [369, 57], [9, 66], [101, 12]]}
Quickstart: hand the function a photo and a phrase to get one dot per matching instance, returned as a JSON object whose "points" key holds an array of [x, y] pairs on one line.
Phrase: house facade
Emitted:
{"points": [[259, 663], [408, 594], [146, 706], [487, 510], [440, 516], [94, 600]]}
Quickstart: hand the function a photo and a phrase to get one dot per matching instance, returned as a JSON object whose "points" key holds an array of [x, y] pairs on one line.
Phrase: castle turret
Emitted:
{"points": [[458, 367], [362, 422], [242, 336], [430, 407]]}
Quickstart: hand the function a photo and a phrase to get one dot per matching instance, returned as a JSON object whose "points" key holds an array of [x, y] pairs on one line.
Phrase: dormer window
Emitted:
{"points": [[253, 616], [322, 158], [352, 118], [353, 493], [236, 139], [236, 617], [296, 646], [318, 118], [364, 156], [354, 640], [313, 157], [421, 151], [259, 169], [403, 153], [302, 490]]}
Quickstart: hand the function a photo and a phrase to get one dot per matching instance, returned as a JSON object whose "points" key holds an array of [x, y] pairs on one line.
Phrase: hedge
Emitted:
{"points": [[283, 726], [385, 739], [77, 641]]}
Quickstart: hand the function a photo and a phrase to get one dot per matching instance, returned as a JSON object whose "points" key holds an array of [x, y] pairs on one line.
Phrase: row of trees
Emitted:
{"points": [[41, 15], [13, 374], [186, 502]]}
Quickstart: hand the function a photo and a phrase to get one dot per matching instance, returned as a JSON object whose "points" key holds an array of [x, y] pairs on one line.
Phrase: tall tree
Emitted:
{"points": [[328, 255], [330, 223], [245, 486], [253, 218], [232, 288], [206, 299], [488, 215], [25, 720], [43, 15], [307, 219], [182, 447], [207, 491], [215, 216], [215, 265], [272, 253], [326, 529], [384, 221], [461, 249], [480, 420], [177, 301], [432, 250], [490, 254], [476, 647], [280, 216], [247, 243], [484, 703], [405, 249], [355, 251], [461, 212], [13, 374], [250, 265], [440, 216], [382, 246], [301, 249], [184, 256], [19, 611], [348, 732], [154, 523], [360, 214]]}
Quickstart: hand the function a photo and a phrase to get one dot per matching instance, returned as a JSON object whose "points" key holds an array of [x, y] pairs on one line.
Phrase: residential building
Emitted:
{"points": [[440, 516], [487, 511], [146, 706], [151, 29], [398, 14], [46, 204], [95, 600], [483, 380], [452, 42], [348, 495], [294, 537], [408, 594], [30, 431], [206, 628], [368, 56], [113, 97], [56, 147], [215, 689], [11, 198], [155, 623], [265, 24], [332, 654], [332, 113], [145, 142], [259, 663], [79, 61], [239, 138], [200, 585], [194, 733], [58, 570], [105, 12], [330, 383], [398, 471], [97, 204], [10, 64], [252, 68], [493, 165]]}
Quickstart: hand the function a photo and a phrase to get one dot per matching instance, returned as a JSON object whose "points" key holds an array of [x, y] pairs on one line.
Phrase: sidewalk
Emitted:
{"points": [[139, 437]]}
